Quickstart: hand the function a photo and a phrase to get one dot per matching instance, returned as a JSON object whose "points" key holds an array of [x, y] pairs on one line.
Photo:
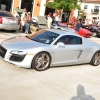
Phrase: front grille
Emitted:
{"points": [[17, 58], [2, 51]]}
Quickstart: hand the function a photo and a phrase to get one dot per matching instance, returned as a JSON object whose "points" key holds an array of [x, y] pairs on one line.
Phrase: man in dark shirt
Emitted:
{"points": [[78, 25]]}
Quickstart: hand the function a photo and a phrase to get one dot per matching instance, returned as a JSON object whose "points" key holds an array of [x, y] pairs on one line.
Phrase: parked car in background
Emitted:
{"points": [[50, 47], [82, 31], [85, 33], [94, 29], [60, 26], [8, 21]]}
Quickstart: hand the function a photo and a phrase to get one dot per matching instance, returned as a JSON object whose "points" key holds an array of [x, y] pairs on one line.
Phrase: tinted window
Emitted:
{"points": [[6, 14], [46, 37], [70, 40]]}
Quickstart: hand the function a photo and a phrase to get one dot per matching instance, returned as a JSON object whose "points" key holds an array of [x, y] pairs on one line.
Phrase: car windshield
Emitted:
{"points": [[44, 36]]}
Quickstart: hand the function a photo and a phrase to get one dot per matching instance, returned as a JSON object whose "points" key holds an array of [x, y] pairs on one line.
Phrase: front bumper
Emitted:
{"points": [[9, 27], [22, 61]]}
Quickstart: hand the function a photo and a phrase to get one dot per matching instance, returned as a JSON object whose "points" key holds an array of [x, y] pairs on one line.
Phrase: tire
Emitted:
{"points": [[94, 34], [13, 30], [41, 61], [95, 61]]}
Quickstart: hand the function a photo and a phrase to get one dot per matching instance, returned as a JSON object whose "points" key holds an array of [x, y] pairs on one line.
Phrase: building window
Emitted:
{"points": [[96, 9], [5, 5], [85, 6]]}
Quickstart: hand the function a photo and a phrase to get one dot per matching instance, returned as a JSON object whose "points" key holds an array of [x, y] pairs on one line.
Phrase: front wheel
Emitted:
{"points": [[95, 61], [41, 61]]}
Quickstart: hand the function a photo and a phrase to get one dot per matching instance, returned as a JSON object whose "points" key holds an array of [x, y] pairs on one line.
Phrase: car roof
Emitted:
{"points": [[60, 32], [7, 12], [64, 32]]}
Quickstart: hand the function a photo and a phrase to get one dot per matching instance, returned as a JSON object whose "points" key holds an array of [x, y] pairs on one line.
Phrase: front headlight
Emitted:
{"points": [[19, 52]]}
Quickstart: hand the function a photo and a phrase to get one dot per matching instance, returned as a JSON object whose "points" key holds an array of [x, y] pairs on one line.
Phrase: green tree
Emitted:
{"points": [[63, 4]]}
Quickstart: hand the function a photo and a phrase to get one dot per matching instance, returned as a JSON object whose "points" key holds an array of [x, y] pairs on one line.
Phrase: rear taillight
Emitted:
{"points": [[0, 20]]}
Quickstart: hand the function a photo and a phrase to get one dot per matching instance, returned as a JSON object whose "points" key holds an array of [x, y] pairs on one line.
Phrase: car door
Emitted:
{"points": [[70, 51]]}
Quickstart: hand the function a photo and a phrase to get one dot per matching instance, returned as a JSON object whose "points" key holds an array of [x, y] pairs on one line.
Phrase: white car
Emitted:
{"points": [[8, 21], [50, 47]]}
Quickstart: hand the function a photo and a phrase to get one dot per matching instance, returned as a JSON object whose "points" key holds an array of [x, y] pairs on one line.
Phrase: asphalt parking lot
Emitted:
{"points": [[80, 82]]}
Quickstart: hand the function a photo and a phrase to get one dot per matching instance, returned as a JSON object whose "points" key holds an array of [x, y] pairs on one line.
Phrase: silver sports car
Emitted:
{"points": [[50, 47]]}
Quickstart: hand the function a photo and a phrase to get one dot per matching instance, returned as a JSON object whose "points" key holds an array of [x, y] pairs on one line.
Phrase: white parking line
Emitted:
{"points": [[51, 84]]}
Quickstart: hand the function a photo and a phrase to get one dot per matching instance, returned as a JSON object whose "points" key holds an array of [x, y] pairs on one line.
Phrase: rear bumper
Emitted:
{"points": [[9, 27]]}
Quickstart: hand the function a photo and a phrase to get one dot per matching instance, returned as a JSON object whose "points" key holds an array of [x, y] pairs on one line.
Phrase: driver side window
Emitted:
{"points": [[70, 40]]}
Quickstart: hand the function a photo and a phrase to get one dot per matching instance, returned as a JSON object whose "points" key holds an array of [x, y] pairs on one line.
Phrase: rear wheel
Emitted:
{"points": [[41, 61], [95, 61]]}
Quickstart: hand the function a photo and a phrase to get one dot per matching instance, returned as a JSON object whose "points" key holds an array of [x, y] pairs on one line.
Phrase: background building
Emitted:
{"points": [[36, 7], [90, 8]]}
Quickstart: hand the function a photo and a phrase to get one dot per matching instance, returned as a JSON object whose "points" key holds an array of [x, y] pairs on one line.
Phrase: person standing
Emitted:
{"points": [[78, 25], [49, 20], [23, 20], [53, 18], [73, 20], [90, 22], [57, 19]]}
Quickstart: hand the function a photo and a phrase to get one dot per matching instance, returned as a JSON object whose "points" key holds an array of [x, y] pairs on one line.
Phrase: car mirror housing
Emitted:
{"points": [[60, 44]]}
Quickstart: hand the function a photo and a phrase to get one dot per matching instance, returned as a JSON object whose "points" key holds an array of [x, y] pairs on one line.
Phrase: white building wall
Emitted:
{"points": [[42, 8], [89, 14]]}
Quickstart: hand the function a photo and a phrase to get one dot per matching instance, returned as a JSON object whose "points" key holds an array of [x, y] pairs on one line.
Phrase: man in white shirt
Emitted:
{"points": [[23, 19]]}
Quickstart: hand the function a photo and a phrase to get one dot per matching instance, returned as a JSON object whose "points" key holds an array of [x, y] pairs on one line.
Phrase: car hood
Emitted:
{"points": [[21, 43]]}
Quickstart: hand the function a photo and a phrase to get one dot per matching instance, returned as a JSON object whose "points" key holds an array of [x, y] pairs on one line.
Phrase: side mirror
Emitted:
{"points": [[60, 44]]}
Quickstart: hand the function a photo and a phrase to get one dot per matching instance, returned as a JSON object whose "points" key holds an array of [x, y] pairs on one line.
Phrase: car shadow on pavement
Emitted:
{"points": [[81, 94], [17, 31], [68, 65]]}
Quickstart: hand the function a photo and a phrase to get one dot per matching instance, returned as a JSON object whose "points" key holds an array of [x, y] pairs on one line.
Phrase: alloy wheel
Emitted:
{"points": [[41, 61]]}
